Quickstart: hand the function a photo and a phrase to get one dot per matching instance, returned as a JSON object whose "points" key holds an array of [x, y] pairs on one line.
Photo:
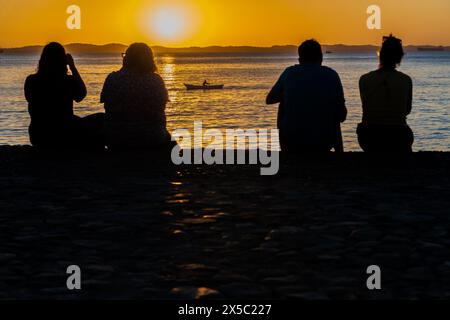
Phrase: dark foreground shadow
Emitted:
{"points": [[142, 229]]}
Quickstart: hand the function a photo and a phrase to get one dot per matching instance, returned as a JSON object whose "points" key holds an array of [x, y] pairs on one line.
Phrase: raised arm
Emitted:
{"points": [[80, 91]]}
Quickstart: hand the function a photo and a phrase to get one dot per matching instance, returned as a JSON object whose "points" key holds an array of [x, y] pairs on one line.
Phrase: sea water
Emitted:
{"points": [[241, 104]]}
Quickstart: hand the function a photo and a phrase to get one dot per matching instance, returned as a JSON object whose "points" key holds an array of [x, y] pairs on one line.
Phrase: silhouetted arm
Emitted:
{"points": [[361, 90], [276, 93], [105, 89], [273, 97], [341, 108], [80, 90], [28, 90], [80, 87], [410, 97], [29, 94], [341, 116], [165, 91], [161, 92], [339, 143]]}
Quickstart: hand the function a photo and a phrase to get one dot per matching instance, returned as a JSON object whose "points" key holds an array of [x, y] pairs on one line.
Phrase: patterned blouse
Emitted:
{"points": [[135, 109]]}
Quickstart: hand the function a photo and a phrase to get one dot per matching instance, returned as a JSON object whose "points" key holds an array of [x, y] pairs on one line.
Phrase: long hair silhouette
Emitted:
{"points": [[53, 61]]}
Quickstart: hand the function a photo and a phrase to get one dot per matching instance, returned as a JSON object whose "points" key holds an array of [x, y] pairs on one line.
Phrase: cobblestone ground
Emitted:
{"points": [[139, 228]]}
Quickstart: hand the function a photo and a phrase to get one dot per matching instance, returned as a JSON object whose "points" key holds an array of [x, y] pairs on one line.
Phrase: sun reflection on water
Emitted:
{"points": [[241, 104]]}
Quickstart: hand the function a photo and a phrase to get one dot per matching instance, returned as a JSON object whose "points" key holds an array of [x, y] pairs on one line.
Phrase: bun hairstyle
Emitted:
{"points": [[391, 53]]}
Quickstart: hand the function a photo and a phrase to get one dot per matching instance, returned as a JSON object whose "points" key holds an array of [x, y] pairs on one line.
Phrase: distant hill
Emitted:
{"points": [[80, 48], [75, 48]]}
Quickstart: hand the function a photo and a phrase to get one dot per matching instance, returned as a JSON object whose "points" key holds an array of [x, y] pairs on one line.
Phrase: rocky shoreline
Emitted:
{"points": [[142, 228]]}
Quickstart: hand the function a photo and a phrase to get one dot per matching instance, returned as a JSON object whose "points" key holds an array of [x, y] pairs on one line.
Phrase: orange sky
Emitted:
{"points": [[225, 22]]}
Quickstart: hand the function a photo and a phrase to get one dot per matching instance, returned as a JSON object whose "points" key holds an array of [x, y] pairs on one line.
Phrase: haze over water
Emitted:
{"points": [[241, 104]]}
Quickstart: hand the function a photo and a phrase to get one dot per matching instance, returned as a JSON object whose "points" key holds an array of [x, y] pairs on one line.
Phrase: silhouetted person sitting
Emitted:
{"points": [[312, 104], [135, 99], [205, 83], [386, 96], [50, 94]]}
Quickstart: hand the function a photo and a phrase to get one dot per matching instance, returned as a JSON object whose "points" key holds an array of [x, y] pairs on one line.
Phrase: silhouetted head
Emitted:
{"points": [[391, 53], [310, 51], [139, 58], [53, 60]]}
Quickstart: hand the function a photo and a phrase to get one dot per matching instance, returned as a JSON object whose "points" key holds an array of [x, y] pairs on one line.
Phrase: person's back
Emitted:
{"points": [[135, 98], [312, 105], [135, 102], [50, 94], [50, 99], [386, 96]]}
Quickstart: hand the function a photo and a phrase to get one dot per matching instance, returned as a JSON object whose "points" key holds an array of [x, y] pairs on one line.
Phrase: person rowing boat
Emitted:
{"points": [[204, 86]]}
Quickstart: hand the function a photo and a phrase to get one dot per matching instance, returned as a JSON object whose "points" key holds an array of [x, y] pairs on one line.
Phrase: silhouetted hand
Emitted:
{"points": [[70, 61]]}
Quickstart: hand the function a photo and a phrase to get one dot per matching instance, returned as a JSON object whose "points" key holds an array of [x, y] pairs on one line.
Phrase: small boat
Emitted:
{"points": [[201, 87]]}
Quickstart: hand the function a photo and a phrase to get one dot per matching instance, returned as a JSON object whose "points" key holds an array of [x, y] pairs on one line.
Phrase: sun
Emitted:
{"points": [[170, 23]]}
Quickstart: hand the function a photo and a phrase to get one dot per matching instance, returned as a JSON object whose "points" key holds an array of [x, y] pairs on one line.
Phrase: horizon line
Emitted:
{"points": [[220, 46]]}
